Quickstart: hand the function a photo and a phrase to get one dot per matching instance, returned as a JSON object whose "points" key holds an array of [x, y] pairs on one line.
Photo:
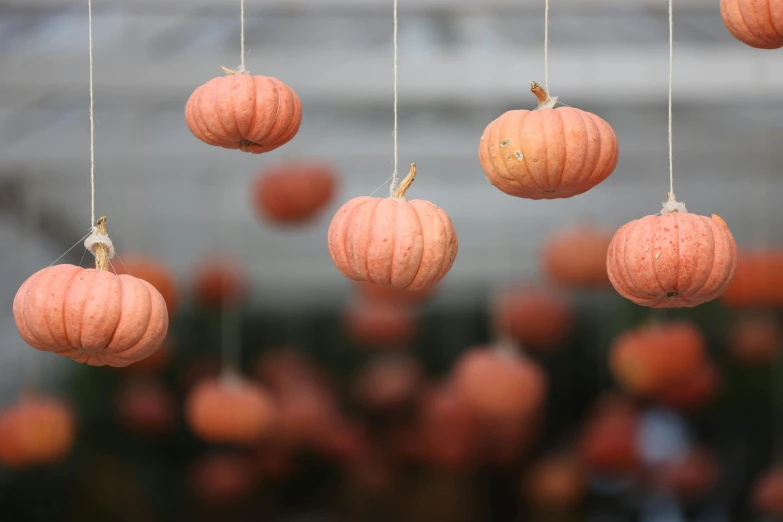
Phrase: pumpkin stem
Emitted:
{"points": [[239, 70], [402, 188], [672, 206], [544, 100], [100, 249]]}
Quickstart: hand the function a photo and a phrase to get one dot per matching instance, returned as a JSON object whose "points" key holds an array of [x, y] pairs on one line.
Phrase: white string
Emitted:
{"points": [[671, 77], [396, 152], [546, 46], [242, 31], [92, 119], [74, 246]]}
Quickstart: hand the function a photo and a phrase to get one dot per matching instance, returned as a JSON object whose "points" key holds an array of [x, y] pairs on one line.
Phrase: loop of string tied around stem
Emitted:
{"points": [[239, 70], [98, 236]]}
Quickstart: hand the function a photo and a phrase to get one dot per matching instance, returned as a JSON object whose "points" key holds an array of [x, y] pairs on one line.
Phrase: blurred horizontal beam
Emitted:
{"points": [[711, 74]]}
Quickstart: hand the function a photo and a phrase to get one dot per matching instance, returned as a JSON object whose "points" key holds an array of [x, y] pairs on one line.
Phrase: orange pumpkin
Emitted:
{"points": [[36, 431], [539, 318], [156, 274], [401, 296], [221, 478], [251, 113], [757, 23], [145, 407], [499, 385], [555, 483], [649, 360], [758, 281], [294, 192], [156, 362], [230, 410], [305, 413], [388, 382], [675, 260], [576, 257], [379, 325], [768, 493], [218, 282], [695, 391], [754, 339], [693, 475], [547, 153], [283, 368], [608, 444], [506, 441], [91, 315], [393, 241]]}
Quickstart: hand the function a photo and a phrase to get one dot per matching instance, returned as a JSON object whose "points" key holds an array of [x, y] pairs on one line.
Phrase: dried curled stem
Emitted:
{"points": [[544, 100], [101, 250], [402, 188], [239, 70]]}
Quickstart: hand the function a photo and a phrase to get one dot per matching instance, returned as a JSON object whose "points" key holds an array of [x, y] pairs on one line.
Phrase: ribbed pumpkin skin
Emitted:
{"points": [[757, 23], [294, 193], [36, 431], [91, 316], [548, 153], [677, 260], [156, 274], [392, 242], [253, 113], [235, 411]]}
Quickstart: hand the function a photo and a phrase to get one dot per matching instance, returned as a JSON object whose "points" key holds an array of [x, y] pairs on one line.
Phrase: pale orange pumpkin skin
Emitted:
{"points": [[757, 23], [548, 153], [393, 242], [91, 316], [255, 114], [156, 274], [576, 257], [294, 193], [36, 431], [678, 260], [230, 410]]}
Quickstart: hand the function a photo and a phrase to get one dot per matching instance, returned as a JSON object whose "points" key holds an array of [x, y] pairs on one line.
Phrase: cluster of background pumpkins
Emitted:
{"points": [[488, 408]]}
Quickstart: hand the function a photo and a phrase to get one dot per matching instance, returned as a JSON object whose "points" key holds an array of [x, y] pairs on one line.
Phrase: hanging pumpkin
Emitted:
{"points": [[758, 281], [221, 479], [547, 153], [768, 493], [145, 407], [379, 325], [283, 368], [36, 431], [156, 274], [498, 384], [556, 483], [608, 444], [648, 360], [388, 382], [294, 193], [695, 391], [251, 113], [754, 339], [576, 257], [693, 475], [393, 241], [91, 315], [675, 260], [305, 413], [757, 23], [539, 318], [230, 410], [219, 282], [401, 296]]}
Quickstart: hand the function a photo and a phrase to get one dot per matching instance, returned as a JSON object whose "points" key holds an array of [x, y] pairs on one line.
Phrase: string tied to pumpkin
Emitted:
{"points": [[100, 245], [672, 206], [239, 70]]}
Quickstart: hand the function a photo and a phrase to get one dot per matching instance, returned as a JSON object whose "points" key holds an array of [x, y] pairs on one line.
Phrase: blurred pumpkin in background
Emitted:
{"points": [[156, 362], [691, 476], [576, 257], [388, 382], [768, 493], [145, 407], [538, 318], [36, 431], [609, 440], [754, 339], [758, 280], [284, 367], [155, 273], [217, 282], [294, 192], [650, 359], [693, 392], [374, 324], [555, 483], [221, 478], [305, 413]]}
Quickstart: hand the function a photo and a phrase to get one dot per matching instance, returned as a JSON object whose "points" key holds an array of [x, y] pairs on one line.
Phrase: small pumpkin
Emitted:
{"points": [[305, 413], [230, 410], [549, 152], [254, 114], [758, 280], [219, 282], [555, 483], [755, 339], [36, 431], [694, 392], [283, 368], [648, 360], [576, 257], [90, 315], [497, 384], [757, 23], [379, 325], [609, 441], [388, 382], [693, 475], [294, 193], [539, 318], [221, 479], [675, 260], [155, 273], [393, 241], [768, 493], [144, 407]]}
